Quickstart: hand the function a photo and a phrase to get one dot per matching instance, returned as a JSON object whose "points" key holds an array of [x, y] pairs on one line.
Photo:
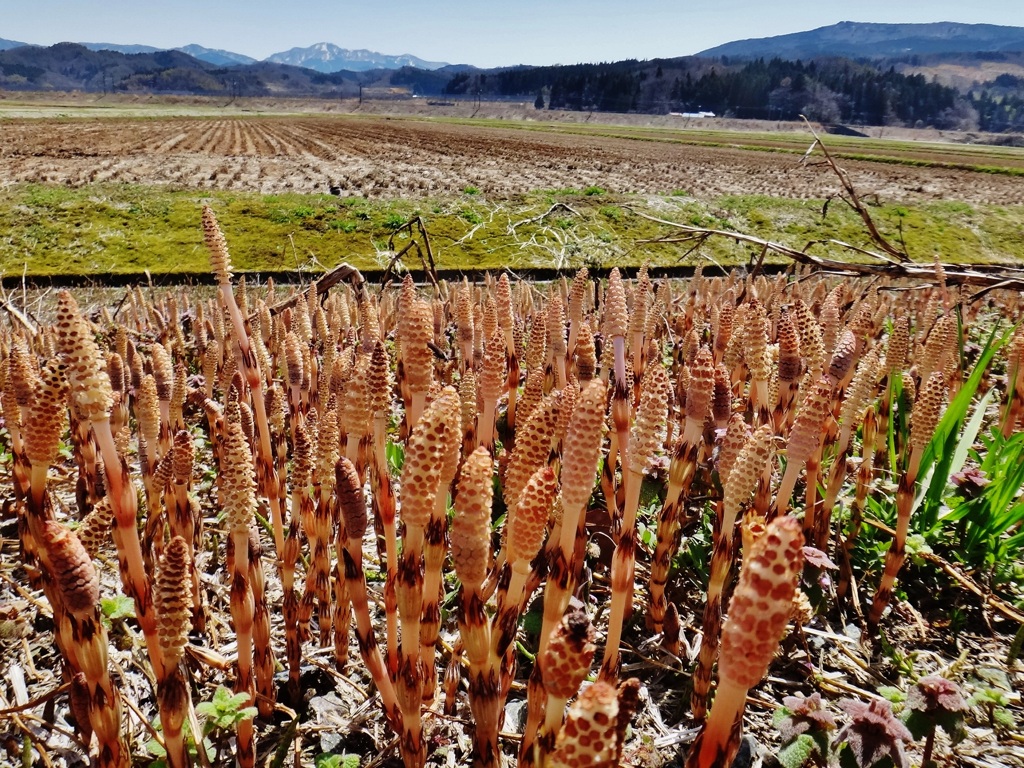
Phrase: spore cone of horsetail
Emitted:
{"points": [[590, 734], [758, 613], [220, 260], [805, 438], [84, 635], [172, 598]]}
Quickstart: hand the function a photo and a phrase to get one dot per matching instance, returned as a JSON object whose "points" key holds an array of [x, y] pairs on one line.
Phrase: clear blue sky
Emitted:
{"points": [[483, 33]]}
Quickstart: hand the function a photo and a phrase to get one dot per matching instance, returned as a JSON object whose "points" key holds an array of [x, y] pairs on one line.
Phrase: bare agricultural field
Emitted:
{"points": [[391, 156]]}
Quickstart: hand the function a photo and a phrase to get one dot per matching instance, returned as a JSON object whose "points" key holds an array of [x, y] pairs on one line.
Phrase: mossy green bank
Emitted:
{"points": [[101, 229]]}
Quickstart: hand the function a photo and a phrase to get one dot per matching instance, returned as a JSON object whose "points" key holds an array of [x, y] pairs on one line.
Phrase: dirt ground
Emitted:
{"points": [[382, 156]]}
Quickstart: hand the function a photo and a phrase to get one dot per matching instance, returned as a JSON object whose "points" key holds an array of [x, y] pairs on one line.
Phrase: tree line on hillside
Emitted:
{"points": [[829, 91], [826, 90]]}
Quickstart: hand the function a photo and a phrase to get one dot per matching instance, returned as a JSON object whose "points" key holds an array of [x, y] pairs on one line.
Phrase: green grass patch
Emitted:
{"points": [[122, 229]]}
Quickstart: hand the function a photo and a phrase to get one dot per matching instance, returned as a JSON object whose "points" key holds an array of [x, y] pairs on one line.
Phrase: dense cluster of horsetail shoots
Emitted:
{"points": [[389, 480]]}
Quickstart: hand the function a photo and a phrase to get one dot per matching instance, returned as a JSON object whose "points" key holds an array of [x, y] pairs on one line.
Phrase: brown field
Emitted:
{"points": [[381, 156]]}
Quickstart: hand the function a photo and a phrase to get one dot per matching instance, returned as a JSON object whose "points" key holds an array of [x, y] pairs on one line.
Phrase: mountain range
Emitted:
{"points": [[945, 75], [327, 57], [854, 39], [320, 57]]}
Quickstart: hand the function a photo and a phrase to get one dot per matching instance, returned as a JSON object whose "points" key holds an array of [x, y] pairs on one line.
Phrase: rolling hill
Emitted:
{"points": [[854, 39]]}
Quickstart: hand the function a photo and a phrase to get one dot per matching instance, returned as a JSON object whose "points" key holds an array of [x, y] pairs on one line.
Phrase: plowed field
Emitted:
{"points": [[379, 157]]}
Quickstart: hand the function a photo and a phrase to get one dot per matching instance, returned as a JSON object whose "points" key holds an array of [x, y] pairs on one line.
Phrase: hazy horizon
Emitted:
{"points": [[460, 32]]}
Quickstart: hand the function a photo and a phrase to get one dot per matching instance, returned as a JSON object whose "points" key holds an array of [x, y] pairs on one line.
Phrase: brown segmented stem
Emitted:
{"points": [[238, 498], [318, 528], [353, 511], [645, 440], [269, 480], [471, 552], [861, 392], [421, 477], [77, 611], [449, 404], [383, 497], [91, 390], [923, 419], [758, 613], [864, 478], [1013, 407], [579, 466], [263, 652], [183, 521], [749, 467], [682, 467]]}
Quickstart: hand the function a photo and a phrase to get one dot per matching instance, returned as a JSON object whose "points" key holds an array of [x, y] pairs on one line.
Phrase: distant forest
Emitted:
{"points": [[830, 91]]}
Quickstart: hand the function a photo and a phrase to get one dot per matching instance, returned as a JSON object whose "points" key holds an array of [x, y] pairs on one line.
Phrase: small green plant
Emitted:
{"points": [[393, 221], [470, 216], [395, 454], [220, 716], [470, 190], [934, 702], [348, 227], [593, 191], [805, 727], [225, 710], [612, 212], [337, 761], [991, 695], [117, 607]]}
